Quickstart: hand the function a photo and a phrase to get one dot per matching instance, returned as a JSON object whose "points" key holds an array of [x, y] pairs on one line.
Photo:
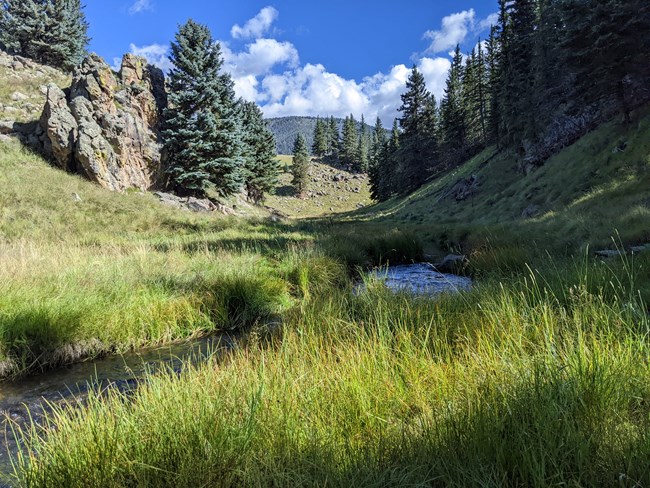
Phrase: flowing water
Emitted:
{"points": [[420, 279], [33, 397], [29, 399]]}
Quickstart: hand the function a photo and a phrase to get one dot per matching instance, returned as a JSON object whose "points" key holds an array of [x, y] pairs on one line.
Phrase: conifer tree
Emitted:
{"points": [[376, 154], [52, 32], [413, 155], [300, 168], [261, 166], [453, 126], [363, 148], [202, 131], [319, 147], [349, 143], [608, 48], [333, 138]]}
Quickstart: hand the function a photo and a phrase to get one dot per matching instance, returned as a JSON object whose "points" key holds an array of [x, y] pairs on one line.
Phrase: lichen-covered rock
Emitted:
{"points": [[107, 126]]}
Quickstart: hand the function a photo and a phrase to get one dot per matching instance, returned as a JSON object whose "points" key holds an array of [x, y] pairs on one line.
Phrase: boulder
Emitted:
{"points": [[453, 263], [106, 126], [530, 211], [19, 97], [465, 188]]}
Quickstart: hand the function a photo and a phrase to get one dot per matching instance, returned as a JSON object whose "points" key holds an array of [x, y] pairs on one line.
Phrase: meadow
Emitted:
{"points": [[539, 376]]}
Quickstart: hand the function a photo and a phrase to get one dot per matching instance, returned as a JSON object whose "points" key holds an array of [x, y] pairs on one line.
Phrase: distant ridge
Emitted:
{"points": [[286, 129]]}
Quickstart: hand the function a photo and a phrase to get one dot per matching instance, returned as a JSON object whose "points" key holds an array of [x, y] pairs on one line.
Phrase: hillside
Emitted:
{"points": [[595, 189], [285, 130], [330, 190], [22, 92]]}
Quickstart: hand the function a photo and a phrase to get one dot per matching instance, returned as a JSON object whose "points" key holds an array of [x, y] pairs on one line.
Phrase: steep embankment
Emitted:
{"points": [[595, 189]]}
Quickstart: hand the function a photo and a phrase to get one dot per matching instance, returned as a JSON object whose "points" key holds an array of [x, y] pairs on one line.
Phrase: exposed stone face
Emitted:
{"points": [[106, 127]]}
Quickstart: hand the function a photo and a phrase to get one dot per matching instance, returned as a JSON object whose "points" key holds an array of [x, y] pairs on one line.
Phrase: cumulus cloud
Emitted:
{"points": [[312, 90], [455, 28], [257, 26], [260, 57], [156, 54], [140, 6]]}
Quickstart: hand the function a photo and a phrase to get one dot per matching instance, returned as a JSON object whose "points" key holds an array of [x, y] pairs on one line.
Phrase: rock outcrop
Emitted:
{"points": [[106, 126]]}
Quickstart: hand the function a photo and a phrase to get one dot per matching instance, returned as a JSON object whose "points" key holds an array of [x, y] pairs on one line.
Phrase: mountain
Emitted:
{"points": [[286, 129]]}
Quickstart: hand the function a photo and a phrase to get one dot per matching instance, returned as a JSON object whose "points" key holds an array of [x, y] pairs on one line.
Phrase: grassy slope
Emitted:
{"points": [[27, 81], [338, 197], [586, 194]]}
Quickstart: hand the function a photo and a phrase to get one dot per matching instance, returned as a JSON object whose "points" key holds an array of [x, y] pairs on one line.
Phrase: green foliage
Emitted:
{"points": [[202, 131], [320, 146], [520, 383], [300, 167], [52, 32], [349, 144], [607, 46], [262, 167]]}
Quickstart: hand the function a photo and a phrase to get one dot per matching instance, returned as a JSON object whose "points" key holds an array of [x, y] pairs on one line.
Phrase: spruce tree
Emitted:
{"points": [[413, 155], [320, 145], [261, 165], [300, 168], [363, 149], [376, 154], [608, 49], [333, 138], [202, 135], [52, 32], [453, 124], [349, 143]]}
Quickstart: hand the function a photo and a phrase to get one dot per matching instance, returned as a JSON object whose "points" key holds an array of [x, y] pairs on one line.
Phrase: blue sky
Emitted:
{"points": [[305, 57]]}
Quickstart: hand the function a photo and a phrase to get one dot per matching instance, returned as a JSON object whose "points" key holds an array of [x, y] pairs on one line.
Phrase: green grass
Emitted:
{"points": [[537, 377], [27, 82], [525, 384], [585, 194], [324, 197]]}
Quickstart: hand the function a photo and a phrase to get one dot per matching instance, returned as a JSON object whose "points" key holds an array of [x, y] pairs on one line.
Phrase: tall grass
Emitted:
{"points": [[530, 383]]}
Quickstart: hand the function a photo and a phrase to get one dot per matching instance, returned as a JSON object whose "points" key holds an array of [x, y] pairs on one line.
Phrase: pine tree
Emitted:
{"points": [[384, 183], [494, 67], [52, 32], [202, 132], [453, 127], [608, 49], [363, 148], [520, 116], [319, 147], [261, 165], [333, 138], [300, 168], [349, 143], [413, 154], [376, 154]]}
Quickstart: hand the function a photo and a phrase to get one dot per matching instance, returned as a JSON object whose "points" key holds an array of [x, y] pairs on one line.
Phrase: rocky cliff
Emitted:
{"points": [[106, 125]]}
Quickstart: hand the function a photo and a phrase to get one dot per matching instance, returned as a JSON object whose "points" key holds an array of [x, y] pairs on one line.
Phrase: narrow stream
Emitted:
{"points": [[30, 397], [420, 279]]}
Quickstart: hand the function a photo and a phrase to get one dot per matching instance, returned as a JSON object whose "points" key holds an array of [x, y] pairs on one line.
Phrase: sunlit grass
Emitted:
{"points": [[532, 383]]}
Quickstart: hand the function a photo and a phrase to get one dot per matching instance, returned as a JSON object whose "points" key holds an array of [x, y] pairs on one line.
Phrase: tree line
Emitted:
{"points": [[550, 71]]}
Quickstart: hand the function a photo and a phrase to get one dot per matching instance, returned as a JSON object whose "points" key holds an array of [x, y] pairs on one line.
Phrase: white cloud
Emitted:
{"points": [[140, 6], [455, 28], [257, 26], [259, 57], [156, 54], [488, 21]]}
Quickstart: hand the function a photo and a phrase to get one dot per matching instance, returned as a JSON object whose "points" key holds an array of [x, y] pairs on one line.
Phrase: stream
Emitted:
{"points": [[32, 397]]}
